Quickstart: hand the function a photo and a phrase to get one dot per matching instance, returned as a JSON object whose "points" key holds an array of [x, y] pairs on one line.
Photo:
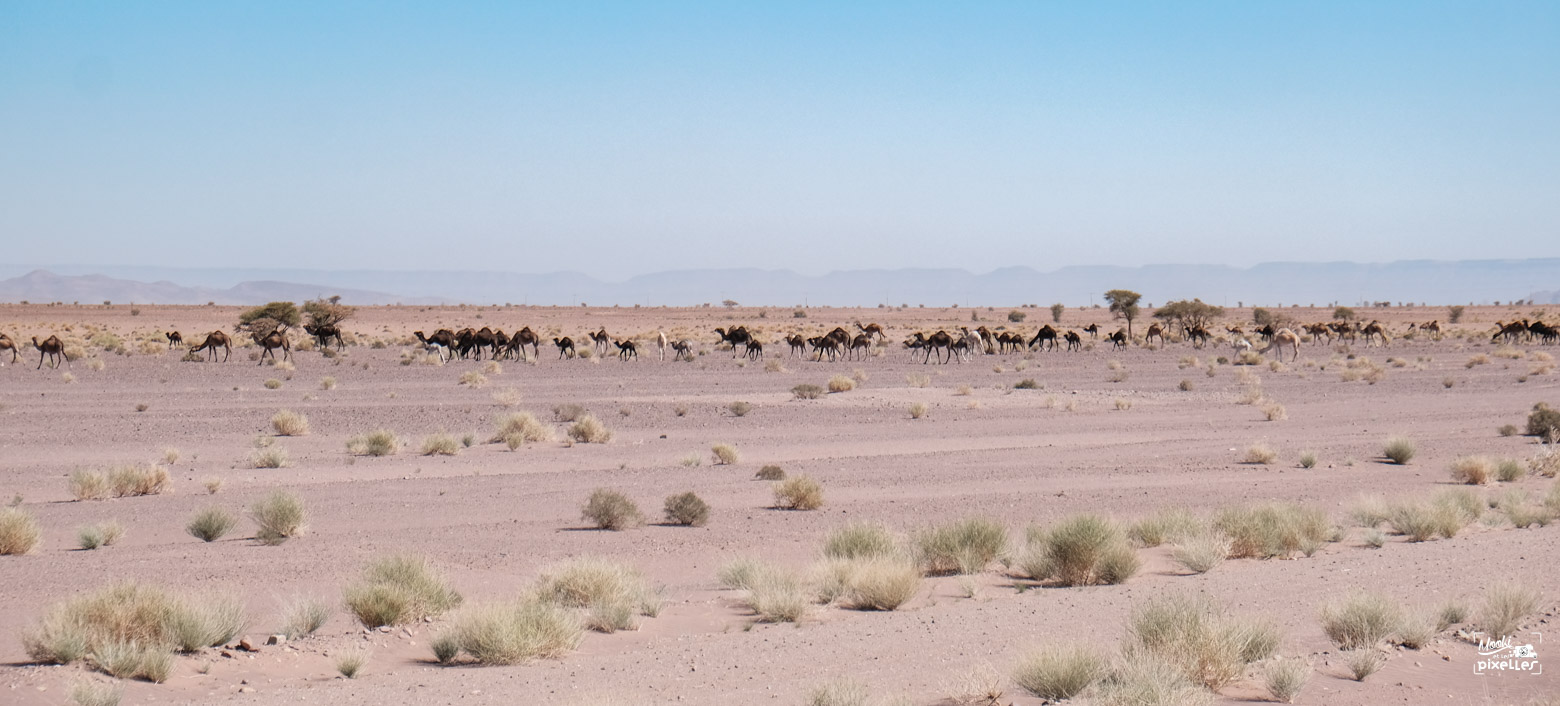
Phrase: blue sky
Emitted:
{"points": [[623, 138]]}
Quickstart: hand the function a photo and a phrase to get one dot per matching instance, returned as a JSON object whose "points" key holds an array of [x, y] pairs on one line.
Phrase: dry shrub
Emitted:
{"points": [[919, 410], [840, 383], [1509, 470], [380, 442], [775, 594], [398, 589], [739, 408], [1286, 678], [88, 693], [918, 380], [19, 532], [280, 516], [589, 430], [1259, 453], [289, 423], [1207, 645], [1202, 551], [473, 379], [511, 632], [508, 397], [136, 480], [440, 444], [273, 384], [102, 534], [798, 493], [1060, 673], [1146, 679], [1363, 662], [770, 473], [1084, 550], [876, 582], [840, 692], [1473, 470], [269, 457], [568, 412], [964, 546], [302, 616], [88, 485], [611, 510], [130, 630], [859, 540], [1369, 510], [612, 594], [519, 428], [1165, 525], [807, 392], [1360, 621], [350, 662], [1544, 421], [211, 524], [1274, 412], [725, 454], [1505, 606], [1399, 449], [687, 509], [1274, 530]]}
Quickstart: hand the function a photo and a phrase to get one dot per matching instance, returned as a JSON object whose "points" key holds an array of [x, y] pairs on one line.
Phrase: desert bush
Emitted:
{"points": [[919, 410], [1509, 470], [88, 693], [1452, 612], [136, 480], [1059, 673], [775, 594], [1416, 630], [102, 534], [807, 392], [725, 454], [269, 457], [1399, 449], [611, 510], [1363, 662], [206, 621], [1543, 421], [1165, 525], [859, 540], [327, 383], [918, 380], [1374, 538], [398, 589], [351, 662], [519, 428], [280, 516], [380, 442], [1360, 621], [1274, 412], [88, 484], [1026, 384], [739, 408], [1286, 678], [289, 423], [611, 593], [840, 383], [687, 509], [1369, 510], [798, 493], [440, 444], [1472, 470], [1274, 530], [211, 524], [473, 379], [1505, 606], [839, 692], [589, 430], [1186, 386], [129, 630], [1146, 679], [770, 473], [964, 546], [19, 532], [568, 412], [1259, 453], [877, 582], [1083, 550], [1202, 551], [273, 384], [1195, 635], [511, 632], [302, 616]]}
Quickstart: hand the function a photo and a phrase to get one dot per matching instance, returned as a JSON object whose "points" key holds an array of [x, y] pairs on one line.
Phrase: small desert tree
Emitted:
{"points": [[1124, 305], [327, 312], [268, 318], [1056, 312], [1343, 313], [1190, 314], [1454, 314]]}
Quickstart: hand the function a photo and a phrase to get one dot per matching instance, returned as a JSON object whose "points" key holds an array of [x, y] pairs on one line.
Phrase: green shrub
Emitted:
{"points": [[280, 516], [1084, 550], [211, 524], [687, 509], [611, 510]]}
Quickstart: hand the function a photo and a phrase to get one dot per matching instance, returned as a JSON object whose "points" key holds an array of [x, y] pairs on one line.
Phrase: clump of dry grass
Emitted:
{"points": [[859, 540], [1274, 530], [882, 582], [589, 430], [739, 408], [725, 454], [840, 383], [1145, 678], [1060, 673], [1165, 525], [130, 630], [1199, 638], [88, 484], [269, 457], [136, 480], [380, 442], [398, 589], [1473, 470], [271, 384], [519, 428], [1084, 550], [1286, 678], [1259, 453], [1363, 662], [612, 594], [1509, 470], [1274, 411], [798, 493], [211, 524], [919, 410], [102, 534], [280, 516], [774, 594], [440, 444], [511, 632], [508, 397], [1202, 551], [473, 379], [770, 472], [89, 693], [1505, 606], [302, 616], [807, 392], [611, 510], [289, 423], [918, 380], [839, 692], [964, 546], [350, 663], [1360, 621], [687, 509], [1399, 449], [19, 532]]}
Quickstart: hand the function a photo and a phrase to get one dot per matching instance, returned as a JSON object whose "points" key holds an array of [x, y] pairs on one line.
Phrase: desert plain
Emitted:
{"points": [[1118, 433]]}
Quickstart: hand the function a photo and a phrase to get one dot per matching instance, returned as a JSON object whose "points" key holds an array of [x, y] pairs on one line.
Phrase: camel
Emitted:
{"points": [[1374, 330], [599, 340], [682, 348], [565, 346], [1155, 331], [325, 332], [974, 342], [738, 335], [626, 350], [755, 350], [1093, 329], [6, 344], [872, 331], [1007, 340], [1283, 337], [1046, 336], [271, 341], [442, 338], [52, 348], [1434, 327], [914, 344], [941, 339], [988, 340], [1342, 330], [1198, 335], [959, 348], [829, 343], [1118, 340], [1543, 332], [797, 343], [1318, 332], [1074, 341], [464, 340], [174, 339], [660, 343], [1241, 345], [215, 340], [526, 337], [1512, 331], [863, 343], [1266, 332], [1235, 331]]}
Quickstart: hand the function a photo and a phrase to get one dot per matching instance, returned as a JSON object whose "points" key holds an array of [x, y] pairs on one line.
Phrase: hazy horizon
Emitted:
{"points": [[619, 140]]}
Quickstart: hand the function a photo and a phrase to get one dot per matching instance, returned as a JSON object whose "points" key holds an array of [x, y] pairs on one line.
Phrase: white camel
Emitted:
{"points": [[660, 342]]}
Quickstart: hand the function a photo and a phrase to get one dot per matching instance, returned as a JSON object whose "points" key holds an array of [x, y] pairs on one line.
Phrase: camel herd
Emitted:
{"points": [[942, 345]]}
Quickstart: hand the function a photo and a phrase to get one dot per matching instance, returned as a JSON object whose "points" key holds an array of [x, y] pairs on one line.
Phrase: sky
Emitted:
{"points": [[618, 139]]}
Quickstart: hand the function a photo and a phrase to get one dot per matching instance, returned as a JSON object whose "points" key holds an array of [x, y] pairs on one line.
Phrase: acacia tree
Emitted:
{"points": [[1056, 312], [1189, 314], [1124, 305], [327, 312], [271, 317]]}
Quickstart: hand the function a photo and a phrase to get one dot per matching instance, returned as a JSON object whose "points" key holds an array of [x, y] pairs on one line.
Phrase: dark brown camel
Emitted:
{"points": [[565, 346], [1512, 331], [6, 344], [600, 340], [174, 339], [736, 336], [1118, 340], [755, 349], [215, 340], [1046, 336], [626, 350], [52, 348], [270, 342], [1093, 329], [325, 332], [1074, 341], [526, 337], [442, 338], [941, 340], [682, 349]]}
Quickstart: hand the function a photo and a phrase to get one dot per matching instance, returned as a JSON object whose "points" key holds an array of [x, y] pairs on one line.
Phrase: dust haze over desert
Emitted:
{"points": [[688, 353]]}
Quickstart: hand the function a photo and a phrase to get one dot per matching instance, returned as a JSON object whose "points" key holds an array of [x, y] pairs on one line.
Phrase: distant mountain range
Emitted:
{"points": [[1269, 284]]}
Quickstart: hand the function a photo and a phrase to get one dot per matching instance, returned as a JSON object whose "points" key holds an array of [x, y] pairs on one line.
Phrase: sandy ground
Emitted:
{"points": [[492, 518]]}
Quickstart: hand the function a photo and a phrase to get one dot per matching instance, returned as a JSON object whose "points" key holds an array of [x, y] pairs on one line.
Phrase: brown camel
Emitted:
{"points": [[1074, 341], [626, 350], [1375, 330], [1279, 339], [271, 341], [565, 346], [526, 337], [1512, 331], [1093, 329], [755, 349], [1319, 332], [862, 342], [600, 340], [1046, 337], [325, 332], [736, 336], [942, 340], [52, 348], [1118, 339], [1155, 331], [214, 340], [873, 331], [797, 343], [6, 344], [682, 349], [174, 339], [442, 338]]}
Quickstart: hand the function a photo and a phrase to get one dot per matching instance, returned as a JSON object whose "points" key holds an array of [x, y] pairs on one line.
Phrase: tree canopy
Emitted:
{"points": [[1124, 305], [268, 318], [327, 312], [1192, 313]]}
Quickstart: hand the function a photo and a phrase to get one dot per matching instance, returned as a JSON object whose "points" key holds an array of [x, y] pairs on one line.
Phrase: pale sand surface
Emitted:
{"points": [[492, 518]]}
